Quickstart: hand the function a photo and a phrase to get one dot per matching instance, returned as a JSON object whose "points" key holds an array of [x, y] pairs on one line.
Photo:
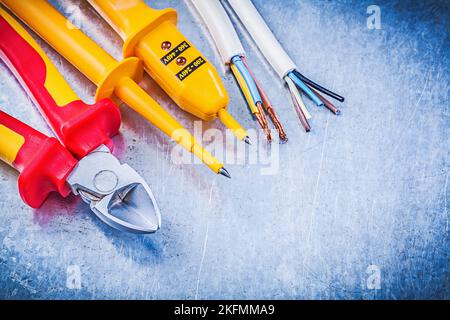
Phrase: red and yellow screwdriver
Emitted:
{"points": [[170, 59], [113, 78]]}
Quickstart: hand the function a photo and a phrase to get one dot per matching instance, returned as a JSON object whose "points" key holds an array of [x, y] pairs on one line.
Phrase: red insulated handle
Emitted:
{"points": [[43, 162], [79, 126]]}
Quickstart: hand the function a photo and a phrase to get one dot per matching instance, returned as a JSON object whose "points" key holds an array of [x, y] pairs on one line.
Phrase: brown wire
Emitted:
{"points": [[327, 103], [300, 114], [267, 104]]}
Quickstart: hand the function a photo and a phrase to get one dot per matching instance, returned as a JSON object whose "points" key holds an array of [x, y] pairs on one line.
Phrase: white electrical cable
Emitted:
{"points": [[263, 36], [220, 27]]}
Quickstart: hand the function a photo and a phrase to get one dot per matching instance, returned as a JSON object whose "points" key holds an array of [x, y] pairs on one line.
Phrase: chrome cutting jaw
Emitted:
{"points": [[115, 192]]}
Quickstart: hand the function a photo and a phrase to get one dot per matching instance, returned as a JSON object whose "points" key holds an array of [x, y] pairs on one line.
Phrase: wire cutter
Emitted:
{"points": [[115, 192]]}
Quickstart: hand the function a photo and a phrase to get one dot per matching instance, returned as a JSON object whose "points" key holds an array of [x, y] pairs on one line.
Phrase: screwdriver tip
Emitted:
{"points": [[247, 140], [225, 173]]}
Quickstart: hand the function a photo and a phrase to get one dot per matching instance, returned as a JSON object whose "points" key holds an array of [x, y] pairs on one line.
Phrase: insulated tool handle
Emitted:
{"points": [[111, 77], [129, 17], [43, 162], [70, 42], [133, 95], [170, 59], [81, 127]]}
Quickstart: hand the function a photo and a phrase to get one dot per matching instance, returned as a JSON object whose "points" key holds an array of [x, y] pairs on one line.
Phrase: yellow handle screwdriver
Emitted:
{"points": [[170, 59], [112, 78]]}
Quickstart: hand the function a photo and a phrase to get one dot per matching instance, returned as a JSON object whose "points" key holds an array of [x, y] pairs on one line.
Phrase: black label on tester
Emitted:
{"points": [[174, 53], [197, 63]]}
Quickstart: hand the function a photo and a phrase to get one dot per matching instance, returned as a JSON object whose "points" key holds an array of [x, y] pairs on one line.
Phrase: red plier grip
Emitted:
{"points": [[44, 164], [79, 126]]}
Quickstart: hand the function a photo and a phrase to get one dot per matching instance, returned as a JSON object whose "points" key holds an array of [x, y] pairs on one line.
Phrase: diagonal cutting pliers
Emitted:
{"points": [[116, 193]]}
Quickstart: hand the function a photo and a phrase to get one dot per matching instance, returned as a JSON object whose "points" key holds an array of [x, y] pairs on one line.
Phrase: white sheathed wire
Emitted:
{"points": [[298, 97], [263, 37], [220, 27]]}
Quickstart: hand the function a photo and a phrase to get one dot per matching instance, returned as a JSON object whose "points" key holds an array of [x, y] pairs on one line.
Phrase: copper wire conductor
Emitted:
{"points": [[327, 103], [262, 120], [267, 104], [277, 124], [300, 114], [271, 112], [251, 94]]}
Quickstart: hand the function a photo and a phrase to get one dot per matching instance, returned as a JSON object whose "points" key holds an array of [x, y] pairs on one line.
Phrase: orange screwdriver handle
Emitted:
{"points": [[79, 126], [44, 164]]}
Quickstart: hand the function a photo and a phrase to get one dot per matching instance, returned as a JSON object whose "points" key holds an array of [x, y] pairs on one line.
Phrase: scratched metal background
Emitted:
{"points": [[369, 187]]}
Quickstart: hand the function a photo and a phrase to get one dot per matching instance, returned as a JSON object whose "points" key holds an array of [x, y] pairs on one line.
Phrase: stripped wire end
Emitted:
{"points": [[251, 93], [282, 135], [267, 104], [262, 120]]}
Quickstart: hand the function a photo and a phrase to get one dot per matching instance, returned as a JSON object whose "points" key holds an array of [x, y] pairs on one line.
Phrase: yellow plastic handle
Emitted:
{"points": [[65, 37], [10, 144], [129, 17], [110, 76], [169, 57], [128, 91]]}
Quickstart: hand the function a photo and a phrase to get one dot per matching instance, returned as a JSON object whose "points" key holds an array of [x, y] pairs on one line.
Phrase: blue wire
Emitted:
{"points": [[299, 83], [247, 78]]}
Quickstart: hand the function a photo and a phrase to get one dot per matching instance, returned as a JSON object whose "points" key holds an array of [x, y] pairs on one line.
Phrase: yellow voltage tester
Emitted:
{"points": [[170, 59], [113, 79]]}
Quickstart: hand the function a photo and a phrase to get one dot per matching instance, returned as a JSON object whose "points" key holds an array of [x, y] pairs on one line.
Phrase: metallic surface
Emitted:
{"points": [[357, 208]]}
